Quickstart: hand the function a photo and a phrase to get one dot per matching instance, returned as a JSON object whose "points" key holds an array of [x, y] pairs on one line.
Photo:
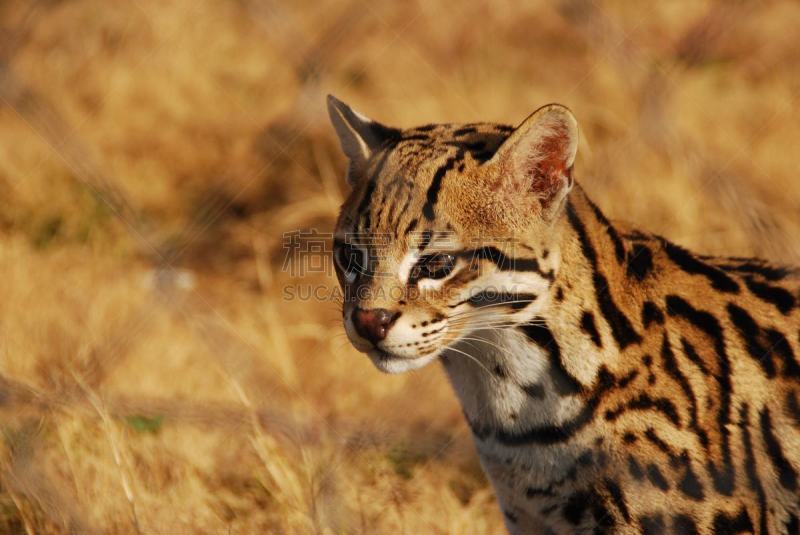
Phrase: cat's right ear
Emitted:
{"points": [[359, 136]]}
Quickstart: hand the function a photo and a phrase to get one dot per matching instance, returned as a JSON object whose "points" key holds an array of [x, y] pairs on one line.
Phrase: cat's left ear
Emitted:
{"points": [[537, 158], [359, 136]]}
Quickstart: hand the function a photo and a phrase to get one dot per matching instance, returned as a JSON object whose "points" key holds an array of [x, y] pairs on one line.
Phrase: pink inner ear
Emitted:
{"points": [[547, 166]]}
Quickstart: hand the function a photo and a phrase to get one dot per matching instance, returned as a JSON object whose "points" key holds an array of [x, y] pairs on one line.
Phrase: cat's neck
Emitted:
{"points": [[506, 380]]}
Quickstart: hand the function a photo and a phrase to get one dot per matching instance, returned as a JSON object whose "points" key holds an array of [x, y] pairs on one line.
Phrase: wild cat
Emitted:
{"points": [[613, 381]]}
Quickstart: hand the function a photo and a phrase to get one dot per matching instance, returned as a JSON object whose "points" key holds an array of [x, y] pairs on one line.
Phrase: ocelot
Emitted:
{"points": [[614, 382]]}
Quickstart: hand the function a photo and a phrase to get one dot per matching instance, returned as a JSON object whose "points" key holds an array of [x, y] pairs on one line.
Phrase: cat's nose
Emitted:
{"points": [[373, 324]]}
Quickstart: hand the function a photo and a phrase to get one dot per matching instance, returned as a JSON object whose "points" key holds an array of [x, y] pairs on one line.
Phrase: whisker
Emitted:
{"points": [[479, 363], [493, 317], [510, 322], [489, 316], [486, 341]]}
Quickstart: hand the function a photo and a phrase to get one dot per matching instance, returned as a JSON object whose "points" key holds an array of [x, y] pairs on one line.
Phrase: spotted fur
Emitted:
{"points": [[614, 382]]}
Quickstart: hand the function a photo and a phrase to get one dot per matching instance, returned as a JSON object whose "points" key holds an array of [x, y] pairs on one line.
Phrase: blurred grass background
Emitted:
{"points": [[153, 379]]}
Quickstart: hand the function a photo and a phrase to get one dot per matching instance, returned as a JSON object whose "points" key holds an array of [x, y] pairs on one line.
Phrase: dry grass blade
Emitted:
{"points": [[115, 441]]}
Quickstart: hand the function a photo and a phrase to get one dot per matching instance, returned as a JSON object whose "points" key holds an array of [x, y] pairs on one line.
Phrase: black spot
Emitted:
{"points": [[651, 314], [781, 298], [690, 264], [576, 506], [436, 184], [603, 517], [579, 503], [763, 344], [690, 485], [426, 128], [619, 248], [656, 477], [541, 335], [629, 438], [474, 146], [793, 407], [640, 262], [586, 246], [511, 517], [733, 525], [780, 345], [768, 272], [626, 379], [500, 371], [644, 402], [618, 498], [559, 294], [532, 492], [482, 156], [411, 226], [658, 442], [425, 239], [750, 465], [535, 390], [786, 472], [588, 326], [681, 459], [585, 459], [620, 325], [652, 525], [635, 468], [691, 354], [416, 137], [750, 333], [683, 525]]}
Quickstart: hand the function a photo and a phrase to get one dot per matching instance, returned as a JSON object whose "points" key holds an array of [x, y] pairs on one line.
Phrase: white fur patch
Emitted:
{"points": [[408, 262]]}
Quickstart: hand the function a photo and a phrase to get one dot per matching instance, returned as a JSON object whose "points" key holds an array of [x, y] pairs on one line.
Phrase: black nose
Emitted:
{"points": [[373, 324]]}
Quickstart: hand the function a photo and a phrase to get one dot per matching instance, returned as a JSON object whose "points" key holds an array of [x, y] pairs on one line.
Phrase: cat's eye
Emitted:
{"points": [[351, 261], [434, 266]]}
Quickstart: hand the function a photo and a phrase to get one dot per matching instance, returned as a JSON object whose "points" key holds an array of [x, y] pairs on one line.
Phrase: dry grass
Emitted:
{"points": [[153, 379]]}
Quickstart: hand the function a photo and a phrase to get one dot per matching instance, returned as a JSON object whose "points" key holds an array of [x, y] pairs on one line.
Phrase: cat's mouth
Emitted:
{"points": [[390, 363]]}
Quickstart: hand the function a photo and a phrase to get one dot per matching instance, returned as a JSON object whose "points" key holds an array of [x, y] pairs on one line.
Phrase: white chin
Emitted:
{"points": [[390, 364]]}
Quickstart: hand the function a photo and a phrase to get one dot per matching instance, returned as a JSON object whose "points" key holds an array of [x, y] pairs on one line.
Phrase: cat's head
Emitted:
{"points": [[448, 229]]}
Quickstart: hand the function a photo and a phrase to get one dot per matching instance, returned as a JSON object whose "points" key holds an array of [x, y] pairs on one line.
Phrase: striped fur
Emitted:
{"points": [[614, 382]]}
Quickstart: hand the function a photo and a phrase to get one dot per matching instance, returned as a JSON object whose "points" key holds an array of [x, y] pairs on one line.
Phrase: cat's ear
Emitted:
{"points": [[537, 158], [359, 136]]}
